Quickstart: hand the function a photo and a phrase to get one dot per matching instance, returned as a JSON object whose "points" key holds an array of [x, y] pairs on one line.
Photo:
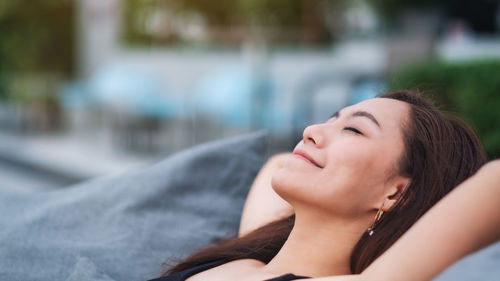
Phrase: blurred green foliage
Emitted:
{"points": [[263, 16], [469, 89], [36, 37], [480, 15], [389, 9], [285, 13]]}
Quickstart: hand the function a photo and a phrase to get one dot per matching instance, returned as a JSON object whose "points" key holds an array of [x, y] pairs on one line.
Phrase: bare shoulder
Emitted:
{"points": [[492, 168], [488, 174], [263, 205]]}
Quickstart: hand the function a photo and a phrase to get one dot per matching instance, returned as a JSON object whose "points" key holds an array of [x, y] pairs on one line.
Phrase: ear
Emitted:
{"points": [[395, 190]]}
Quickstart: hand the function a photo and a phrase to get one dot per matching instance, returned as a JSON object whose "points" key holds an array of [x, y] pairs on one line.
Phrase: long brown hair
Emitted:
{"points": [[440, 152]]}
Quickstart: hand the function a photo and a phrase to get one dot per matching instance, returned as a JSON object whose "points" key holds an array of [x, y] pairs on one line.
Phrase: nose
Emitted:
{"points": [[313, 134]]}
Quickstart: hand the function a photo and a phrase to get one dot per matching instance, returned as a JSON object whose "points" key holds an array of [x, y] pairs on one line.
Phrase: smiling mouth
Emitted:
{"points": [[307, 158]]}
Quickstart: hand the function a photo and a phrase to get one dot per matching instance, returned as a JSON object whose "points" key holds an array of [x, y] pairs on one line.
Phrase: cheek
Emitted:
{"points": [[354, 177], [350, 160], [359, 161]]}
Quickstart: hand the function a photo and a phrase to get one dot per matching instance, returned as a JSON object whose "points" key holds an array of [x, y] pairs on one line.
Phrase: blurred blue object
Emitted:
{"points": [[226, 95], [366, 90], [72, 95], [133, 91], [234, 96]]}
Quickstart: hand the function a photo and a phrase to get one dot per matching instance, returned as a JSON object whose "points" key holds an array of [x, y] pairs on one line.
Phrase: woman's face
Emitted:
{"points": [[348, 165]]}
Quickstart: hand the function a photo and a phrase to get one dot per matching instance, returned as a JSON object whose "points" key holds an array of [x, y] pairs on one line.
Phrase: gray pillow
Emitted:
{"points": [[124, 227]]}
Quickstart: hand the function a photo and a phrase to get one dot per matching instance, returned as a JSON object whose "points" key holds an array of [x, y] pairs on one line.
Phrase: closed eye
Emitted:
{"points": [[353, 130]]}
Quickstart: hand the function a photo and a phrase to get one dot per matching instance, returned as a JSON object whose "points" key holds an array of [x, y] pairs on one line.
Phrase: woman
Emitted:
{"points": [[391, 158]]}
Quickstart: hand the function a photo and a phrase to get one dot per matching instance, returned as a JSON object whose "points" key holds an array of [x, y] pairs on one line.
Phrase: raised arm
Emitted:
{"points": [[464, 221], [263, 205]]}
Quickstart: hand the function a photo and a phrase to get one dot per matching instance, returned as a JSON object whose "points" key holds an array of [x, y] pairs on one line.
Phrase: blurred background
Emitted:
{"points": [[97, 87]]}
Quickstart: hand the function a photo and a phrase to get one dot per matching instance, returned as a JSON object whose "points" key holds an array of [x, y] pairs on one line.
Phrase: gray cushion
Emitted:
{"points": [[482, 266], [124, 227]]}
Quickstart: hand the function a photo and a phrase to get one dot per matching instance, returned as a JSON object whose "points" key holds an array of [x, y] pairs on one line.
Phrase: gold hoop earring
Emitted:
{"points": [[379, 214]]}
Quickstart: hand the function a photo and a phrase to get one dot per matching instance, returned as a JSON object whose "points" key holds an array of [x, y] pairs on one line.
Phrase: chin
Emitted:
{"points": [[278, 178], [286, 184]]}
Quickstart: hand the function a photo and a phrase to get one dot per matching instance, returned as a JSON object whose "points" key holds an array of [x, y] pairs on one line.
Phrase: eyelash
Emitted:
{"points": [[353, 130]]}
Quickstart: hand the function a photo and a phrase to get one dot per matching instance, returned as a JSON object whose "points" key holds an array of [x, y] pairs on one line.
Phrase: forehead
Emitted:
{"points": [[390, 113]]}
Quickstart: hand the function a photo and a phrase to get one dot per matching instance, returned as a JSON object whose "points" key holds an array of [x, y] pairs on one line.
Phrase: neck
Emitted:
{"points": [[318, 247]]}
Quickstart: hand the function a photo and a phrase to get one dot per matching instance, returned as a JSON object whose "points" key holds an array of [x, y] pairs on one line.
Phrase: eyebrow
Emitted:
{"points": [[361, 114]]}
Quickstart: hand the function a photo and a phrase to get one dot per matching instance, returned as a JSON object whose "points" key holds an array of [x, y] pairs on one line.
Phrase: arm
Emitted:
{"points": [[464, 221], [263, 205]]}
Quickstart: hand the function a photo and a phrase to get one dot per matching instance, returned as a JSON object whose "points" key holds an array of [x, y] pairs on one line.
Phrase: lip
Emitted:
{"points": [[302, 154]]}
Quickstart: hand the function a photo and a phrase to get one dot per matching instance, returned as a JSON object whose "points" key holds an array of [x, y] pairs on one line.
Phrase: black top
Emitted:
{"points": [[183, 275]]}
